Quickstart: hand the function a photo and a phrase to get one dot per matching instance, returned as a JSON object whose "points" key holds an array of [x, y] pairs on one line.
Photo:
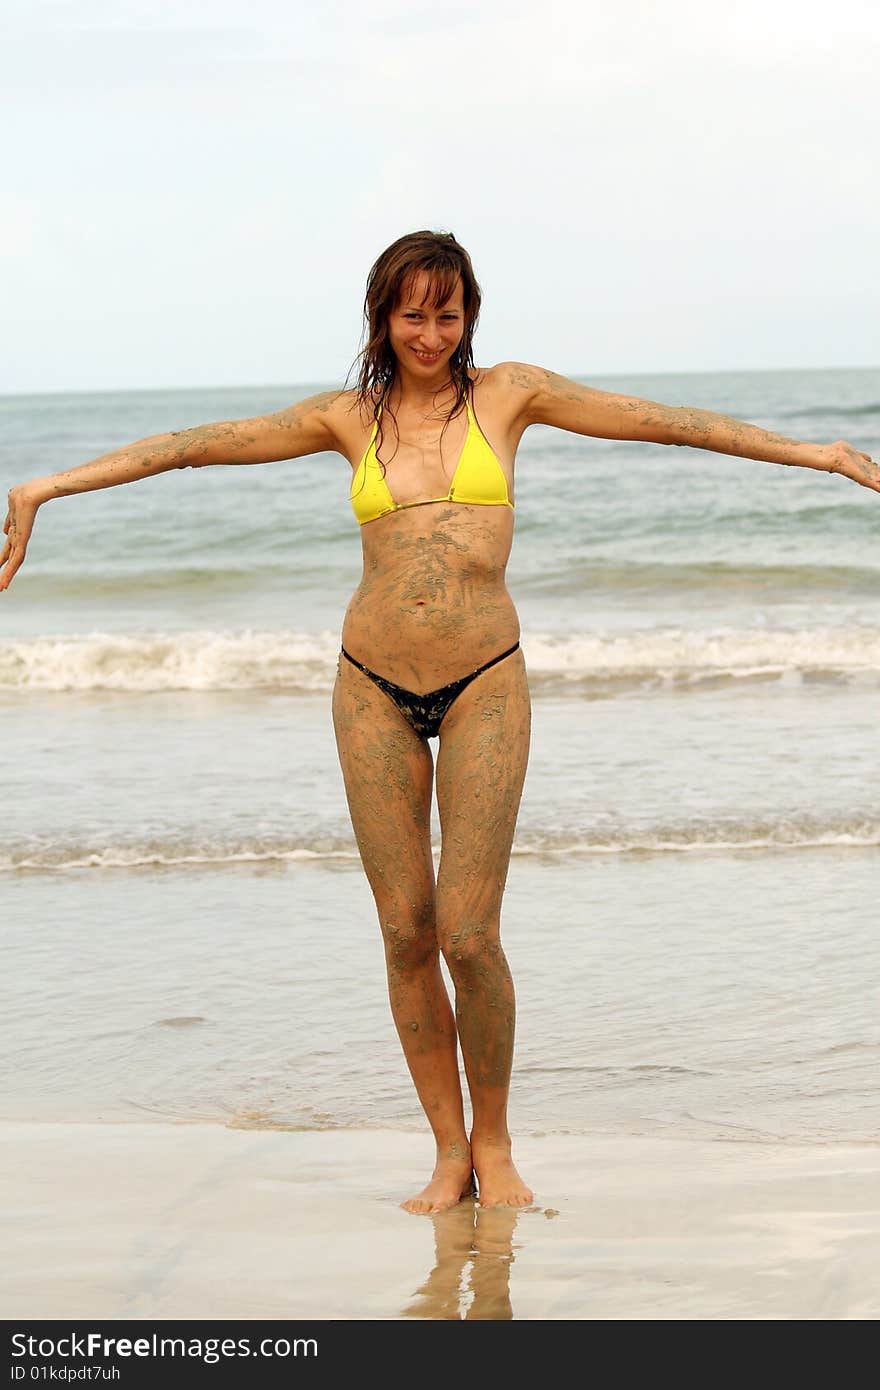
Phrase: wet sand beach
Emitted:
{"points": [[197, 1221]]}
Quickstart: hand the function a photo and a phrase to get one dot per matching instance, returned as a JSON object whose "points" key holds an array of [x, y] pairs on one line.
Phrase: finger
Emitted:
{"points": [[11, 569]]}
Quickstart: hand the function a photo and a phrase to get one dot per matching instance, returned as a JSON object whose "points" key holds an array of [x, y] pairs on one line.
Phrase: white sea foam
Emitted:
{"points": [[676, 654], [302, 662], [294, 661], [855, 832]]}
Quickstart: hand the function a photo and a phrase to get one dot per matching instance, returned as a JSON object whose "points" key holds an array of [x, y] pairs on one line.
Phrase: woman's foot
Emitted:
{"points": [[500, 1183], [452, 1179]]}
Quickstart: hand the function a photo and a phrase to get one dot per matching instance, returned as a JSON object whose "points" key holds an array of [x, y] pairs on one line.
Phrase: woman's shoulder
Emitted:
{"points": [[509, 377], [509, 388], [338, 415], [346, 408]]}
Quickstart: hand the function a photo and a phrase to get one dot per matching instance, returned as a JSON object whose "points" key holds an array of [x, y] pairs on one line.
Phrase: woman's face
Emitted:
{"points": [[423, 338]]}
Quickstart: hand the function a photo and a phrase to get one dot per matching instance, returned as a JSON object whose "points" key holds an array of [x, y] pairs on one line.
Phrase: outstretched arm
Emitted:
{"points": [[305, 428], [549, 399]]}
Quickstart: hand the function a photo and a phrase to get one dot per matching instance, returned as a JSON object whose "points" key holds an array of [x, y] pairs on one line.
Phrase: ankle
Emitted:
{"points": [[491, 1139], [456, 1151]]}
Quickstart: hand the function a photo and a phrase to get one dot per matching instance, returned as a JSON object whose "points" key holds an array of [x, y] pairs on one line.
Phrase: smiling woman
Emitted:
{"points": [[430, 318], [421, 307], [430, 648]]}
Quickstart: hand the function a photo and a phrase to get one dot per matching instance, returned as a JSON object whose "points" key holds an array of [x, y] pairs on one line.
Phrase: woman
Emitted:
{"points": [[430, 647]]}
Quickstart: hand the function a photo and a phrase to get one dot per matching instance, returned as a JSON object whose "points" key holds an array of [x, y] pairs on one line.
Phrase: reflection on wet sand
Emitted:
{"points": [[473, 1253]]}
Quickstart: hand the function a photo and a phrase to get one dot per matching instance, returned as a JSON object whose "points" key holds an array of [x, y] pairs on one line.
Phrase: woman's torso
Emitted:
{"points": [[432, 603]]}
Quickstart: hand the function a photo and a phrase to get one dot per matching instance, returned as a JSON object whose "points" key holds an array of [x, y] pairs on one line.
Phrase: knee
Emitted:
{"points": [[470, 948], [409, 933]]}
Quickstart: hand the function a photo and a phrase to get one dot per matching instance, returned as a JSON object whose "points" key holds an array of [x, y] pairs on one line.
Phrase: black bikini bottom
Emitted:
{"points": [[426, 712]]}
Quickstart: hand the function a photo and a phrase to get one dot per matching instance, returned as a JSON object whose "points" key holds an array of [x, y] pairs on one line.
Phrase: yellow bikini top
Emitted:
{"points": [[478, 479]]}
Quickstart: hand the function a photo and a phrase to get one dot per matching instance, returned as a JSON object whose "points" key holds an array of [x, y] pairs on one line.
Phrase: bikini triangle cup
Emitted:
{"points": [[478, 479]]}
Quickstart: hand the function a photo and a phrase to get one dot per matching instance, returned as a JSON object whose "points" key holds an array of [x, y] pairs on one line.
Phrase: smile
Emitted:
{"points": [[427, 356]]}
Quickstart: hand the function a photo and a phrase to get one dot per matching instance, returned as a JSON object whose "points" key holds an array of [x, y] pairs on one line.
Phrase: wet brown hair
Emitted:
{"points": [[445, 262]]}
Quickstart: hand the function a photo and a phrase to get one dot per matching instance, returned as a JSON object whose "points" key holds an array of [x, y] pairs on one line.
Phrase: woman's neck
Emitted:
{"points": [[423, 396]]}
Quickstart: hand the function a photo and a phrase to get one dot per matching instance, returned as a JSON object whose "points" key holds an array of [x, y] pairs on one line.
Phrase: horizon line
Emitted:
{"points": [[324, 384]]}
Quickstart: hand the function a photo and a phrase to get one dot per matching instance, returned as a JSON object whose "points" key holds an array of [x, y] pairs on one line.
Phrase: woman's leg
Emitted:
{"points": [[481, 765], [388, 773]]}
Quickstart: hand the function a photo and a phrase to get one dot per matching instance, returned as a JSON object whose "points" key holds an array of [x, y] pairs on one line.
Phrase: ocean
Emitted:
{"points": [[692, 909]]}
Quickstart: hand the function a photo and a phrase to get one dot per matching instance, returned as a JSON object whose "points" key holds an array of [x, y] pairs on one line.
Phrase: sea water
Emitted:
{"points": [[691, 915]]}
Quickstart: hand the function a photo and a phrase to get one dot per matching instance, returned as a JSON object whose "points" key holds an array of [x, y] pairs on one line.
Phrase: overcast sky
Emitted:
{"points": [[194, 192]]}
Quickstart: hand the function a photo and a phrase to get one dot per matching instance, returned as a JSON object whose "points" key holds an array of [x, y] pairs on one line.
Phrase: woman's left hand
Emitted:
{"points": [[853, 464]]}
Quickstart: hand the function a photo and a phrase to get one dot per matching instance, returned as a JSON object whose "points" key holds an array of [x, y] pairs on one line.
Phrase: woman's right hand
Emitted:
{"points": [[17, 528], [852, 463]]}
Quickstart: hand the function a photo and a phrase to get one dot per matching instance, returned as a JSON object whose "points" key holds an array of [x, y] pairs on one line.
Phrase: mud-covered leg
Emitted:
{"points": [[481, 765], [388, 774]]}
